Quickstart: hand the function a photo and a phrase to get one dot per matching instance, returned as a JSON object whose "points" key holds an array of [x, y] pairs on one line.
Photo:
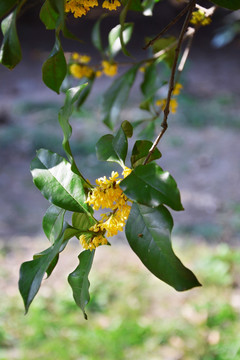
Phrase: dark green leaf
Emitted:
{"points": [[72, 96], [228, 4], [120, 144], [54, 69], [151, 82], [82, 221], [127, 128], [135, 5], [122, 19], [116, 96], [114, 37], [32, 272], [53, 222], [79, 282], [53, 176], [6, 6], [150, 185], [49, 16], [96, 34], [58, 7], [148, 231], [105, 150], [10, 52], [140, 151], [86, 91]]}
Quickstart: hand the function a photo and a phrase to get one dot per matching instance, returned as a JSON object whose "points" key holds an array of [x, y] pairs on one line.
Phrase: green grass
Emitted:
{"points": [[132, 315]]}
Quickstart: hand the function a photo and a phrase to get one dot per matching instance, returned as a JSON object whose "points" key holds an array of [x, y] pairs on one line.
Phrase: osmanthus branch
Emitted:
{"points": [[164, 124]]}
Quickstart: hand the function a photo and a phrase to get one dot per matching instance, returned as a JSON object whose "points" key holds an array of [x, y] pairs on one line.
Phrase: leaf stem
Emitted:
{"points": [[164, 124]]}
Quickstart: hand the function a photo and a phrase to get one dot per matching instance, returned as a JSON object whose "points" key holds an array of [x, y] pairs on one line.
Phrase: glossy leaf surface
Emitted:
{"points": [[150, 185], [105, 150], [140, 151], [148, 231], [53, 176], [53, 222], [79, 282]]}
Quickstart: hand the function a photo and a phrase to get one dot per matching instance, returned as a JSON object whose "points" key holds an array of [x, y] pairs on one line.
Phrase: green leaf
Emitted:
{"points": [[6, 6], [165, 43], [58, 7], [105, 150], [150, 185], [127, 128], [82, 221], [72, 96], [151, 82], [148, 231], [85, 92], [140, 151], [49, 16], [120, 144], [10, 52], [32, 272], [53, 176], [116, 96], [228, 4], [122, 19], [53, 222], [114, 37], [79, 282], [96, 34], [54, 69]]}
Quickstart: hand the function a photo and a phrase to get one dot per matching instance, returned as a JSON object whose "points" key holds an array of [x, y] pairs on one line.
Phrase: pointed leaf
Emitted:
{"points": [[54, 69], [10, 52], [122, 19], [96, 34], [148, 231], [53, 222], [53, 176], [116, 96], [79, 282], [49, 16], [150, 185], [140, 151], [120, 144], [105, 150], [228, 4]]}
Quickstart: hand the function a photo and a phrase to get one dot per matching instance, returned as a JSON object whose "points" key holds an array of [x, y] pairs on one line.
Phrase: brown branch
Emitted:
{"points": [[164, 124], [164, 30]]}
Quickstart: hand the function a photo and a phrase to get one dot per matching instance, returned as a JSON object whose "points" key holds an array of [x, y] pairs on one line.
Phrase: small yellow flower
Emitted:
{"points": [[98, 73], [77, 7], [111, 4], [126, 171], [79, 71], [177, 88], [199, 18], [109, 69], [172, 106]]}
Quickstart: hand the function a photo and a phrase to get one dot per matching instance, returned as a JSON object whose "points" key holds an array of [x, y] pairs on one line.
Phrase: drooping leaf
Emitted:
{"points": [[49, 16], [96, 34], [82, 221], [53, 222], [85, 92], [116, 96], [10, 52], [32, 272], [72, 96], [140, 151], [53, 176], [58, 7], [150, 185], [6, 6], [228, 4], [79, 282], [54, 69], [122, 19], [148, 231], [105, 150], [114, 37], [120, 144]]}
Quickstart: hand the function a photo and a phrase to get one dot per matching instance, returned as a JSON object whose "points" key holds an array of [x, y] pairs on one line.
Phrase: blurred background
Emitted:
{"points": [[132, 315]]}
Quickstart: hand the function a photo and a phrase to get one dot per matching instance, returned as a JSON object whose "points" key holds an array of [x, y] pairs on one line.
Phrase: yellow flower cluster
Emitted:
{"points": [[82, 7], [199, 18], [107, 194], [79, 71], [109, 68], [173, 102]]}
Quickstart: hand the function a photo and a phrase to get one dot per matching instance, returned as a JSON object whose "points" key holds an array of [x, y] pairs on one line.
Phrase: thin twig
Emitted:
{"points": [[164, 30], [172, 81], [186, 51]]}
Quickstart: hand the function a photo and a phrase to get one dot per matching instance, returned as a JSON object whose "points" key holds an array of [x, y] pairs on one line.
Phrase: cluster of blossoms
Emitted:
{"points": [[107, 194], [173, 102], [80, 68], [81, 7], [200, 18]]}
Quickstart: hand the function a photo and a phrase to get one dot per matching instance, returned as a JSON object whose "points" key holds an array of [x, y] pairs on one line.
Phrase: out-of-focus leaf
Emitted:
{"points": [[53, 222], [228, 4], [165, 43], [96, 34], [49, 16], [54, 69], [79, 282], [150, 185], [6, 6], [116, 96], [140, 151], [122, 19], [53, 176], [114, 37], [105, 150], [148, 231], [127, 128], [10, 52]]}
